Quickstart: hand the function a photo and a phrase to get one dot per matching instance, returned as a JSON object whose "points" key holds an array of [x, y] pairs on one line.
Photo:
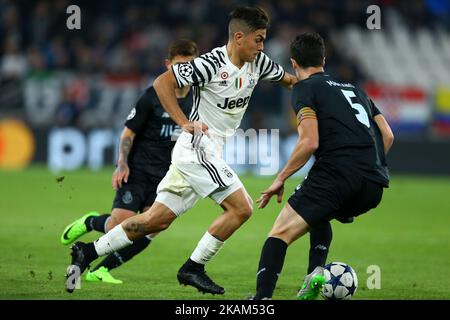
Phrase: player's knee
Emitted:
{"points": [[119, 215], [113, 221], [244, 212], [110, 223], [250, 203]]}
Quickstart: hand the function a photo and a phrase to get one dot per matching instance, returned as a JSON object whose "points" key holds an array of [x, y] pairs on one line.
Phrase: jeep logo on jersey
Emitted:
{"points": [[231, 104]]}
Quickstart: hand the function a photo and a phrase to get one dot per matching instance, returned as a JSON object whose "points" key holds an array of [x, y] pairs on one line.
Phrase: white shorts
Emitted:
{"points": [[197, 171]]}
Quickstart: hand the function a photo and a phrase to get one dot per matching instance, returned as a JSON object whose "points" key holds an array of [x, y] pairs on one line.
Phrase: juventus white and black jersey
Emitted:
{"points": [[221, 90], [221, 93]]}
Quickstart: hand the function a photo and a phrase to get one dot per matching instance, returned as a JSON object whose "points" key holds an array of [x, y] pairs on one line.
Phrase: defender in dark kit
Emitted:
{"points": [[144, 157], [350, 138]]}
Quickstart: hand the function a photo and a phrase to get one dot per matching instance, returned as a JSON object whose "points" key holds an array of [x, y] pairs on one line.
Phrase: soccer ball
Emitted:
{"points": [[341, 281]]}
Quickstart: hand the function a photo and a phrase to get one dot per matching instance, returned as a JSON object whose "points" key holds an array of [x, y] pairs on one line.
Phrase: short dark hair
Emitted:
{"points": [[308, 50], [182, 47], [248, 19]]}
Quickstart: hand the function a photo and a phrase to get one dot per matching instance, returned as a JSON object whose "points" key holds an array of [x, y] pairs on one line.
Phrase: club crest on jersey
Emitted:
{"points": [[185, 70], [224, 75], [131, 114], [251, 81], [127, 198]]}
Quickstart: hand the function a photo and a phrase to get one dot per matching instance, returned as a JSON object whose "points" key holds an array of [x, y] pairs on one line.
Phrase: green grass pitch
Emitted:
{"points": [[407, 236]]}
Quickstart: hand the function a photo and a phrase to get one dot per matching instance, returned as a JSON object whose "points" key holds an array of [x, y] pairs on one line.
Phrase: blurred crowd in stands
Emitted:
{"points": [[131, 37]]}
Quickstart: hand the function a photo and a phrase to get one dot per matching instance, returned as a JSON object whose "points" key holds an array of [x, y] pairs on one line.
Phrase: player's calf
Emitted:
{"points": [[244, 213], [237, 211], [118, 216], [289, 225], [156, 219]]}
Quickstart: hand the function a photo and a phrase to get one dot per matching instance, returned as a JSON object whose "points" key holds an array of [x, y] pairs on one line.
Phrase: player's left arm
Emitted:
{"points": [[122, 170], [288, 80], [383, 125], [386, 132], [307, 144], [272, 71]]}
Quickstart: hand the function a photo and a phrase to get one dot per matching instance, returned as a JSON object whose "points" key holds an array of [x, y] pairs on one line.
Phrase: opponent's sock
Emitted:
{"points": [[320, 239], [118, 258], [270, 266], [89, 251], [97, 223], [206, 249], [114, 240]]}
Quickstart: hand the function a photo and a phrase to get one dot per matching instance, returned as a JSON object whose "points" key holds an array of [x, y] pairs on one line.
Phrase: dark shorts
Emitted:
{"points": [[334, 193], [137, 194]]}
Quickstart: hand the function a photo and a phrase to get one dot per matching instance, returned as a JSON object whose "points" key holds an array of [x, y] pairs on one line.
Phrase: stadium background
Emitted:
{"points": [[64, 95]]}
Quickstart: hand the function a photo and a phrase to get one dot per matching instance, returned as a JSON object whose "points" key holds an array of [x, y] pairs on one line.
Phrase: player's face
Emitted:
{"points": [[178, 59], [253, 43]]}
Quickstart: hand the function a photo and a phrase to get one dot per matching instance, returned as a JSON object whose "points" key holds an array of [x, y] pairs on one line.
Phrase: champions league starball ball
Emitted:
{"points": [[341, 281]]}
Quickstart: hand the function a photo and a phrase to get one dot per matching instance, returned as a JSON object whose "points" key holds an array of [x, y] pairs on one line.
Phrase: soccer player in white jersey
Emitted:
{"points": [[223, 81]]}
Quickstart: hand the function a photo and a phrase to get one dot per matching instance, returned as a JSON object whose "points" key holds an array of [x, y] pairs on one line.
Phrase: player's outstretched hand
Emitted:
{"points": [[277, 188], [120, 174], [195, 127]]}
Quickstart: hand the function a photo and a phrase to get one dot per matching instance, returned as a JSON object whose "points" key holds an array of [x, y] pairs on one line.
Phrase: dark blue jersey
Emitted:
{"points": [[153, 143], [348, 134]]}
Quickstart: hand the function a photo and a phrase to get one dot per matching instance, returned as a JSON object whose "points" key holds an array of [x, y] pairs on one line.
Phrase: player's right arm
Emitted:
{"points": [[307, 144], [386, 132], [165, 86], [198, 72], [122, 170]]}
